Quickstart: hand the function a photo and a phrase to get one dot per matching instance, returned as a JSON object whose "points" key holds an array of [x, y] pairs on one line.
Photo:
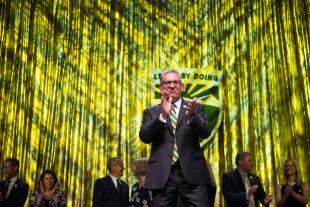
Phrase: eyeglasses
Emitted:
{"points": [[168, 83]]}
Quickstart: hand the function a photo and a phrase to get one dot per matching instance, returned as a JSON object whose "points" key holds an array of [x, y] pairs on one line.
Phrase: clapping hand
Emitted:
{"points": [[288, 190], [252, 189], [49, 195], [190, 108], [165, 106], [267, 199]]}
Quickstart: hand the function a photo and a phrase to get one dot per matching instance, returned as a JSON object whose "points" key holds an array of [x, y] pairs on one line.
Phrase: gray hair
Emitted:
{"points": [[169, 71], [113, 161], [139, 166]]}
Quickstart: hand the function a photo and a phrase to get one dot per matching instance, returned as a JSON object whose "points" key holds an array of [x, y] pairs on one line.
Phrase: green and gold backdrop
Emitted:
{"points": [[75, 78]]}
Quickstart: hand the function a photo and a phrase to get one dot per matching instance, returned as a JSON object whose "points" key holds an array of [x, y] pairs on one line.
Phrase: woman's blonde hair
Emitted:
{"points": [[298, 180], [139, 167]]}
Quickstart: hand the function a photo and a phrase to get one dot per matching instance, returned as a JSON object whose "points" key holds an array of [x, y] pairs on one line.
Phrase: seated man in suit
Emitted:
{"points": [[240, 187], [111, 191], [13, 190]]}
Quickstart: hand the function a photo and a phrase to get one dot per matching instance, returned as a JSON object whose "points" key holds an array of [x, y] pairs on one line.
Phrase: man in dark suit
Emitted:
{"points": [[240, 187], [111, 191], [176, 166], [13, 190]]}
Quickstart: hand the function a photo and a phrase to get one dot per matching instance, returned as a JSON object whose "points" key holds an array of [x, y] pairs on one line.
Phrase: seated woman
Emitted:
{"points": [[49, 194], [140, 197], [294, 192]]}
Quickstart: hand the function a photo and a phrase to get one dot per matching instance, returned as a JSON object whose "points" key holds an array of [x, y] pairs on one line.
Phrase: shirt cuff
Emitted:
{"points": [[161, 118]]}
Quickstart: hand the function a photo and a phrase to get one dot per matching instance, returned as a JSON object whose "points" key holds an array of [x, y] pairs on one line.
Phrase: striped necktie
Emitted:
{"points": [[173, 117]]}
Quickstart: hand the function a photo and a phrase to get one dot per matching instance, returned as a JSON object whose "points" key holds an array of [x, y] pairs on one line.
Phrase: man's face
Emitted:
{"points": [[171, 86], [117, 169], [9, 170], [246, 164]]}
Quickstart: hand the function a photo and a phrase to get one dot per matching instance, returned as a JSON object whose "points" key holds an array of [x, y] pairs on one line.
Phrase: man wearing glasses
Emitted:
{"points": [[176, 165]]}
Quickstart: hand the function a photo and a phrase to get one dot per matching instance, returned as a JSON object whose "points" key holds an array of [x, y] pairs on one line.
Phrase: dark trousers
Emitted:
{"points": [[191, 195]]}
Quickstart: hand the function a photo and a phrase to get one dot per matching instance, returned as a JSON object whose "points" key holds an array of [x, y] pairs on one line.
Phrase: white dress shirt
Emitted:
{"points": [[11, 184]]}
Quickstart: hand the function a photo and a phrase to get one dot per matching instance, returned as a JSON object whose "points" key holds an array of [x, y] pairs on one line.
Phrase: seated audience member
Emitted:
{"points": [[140, 197], [48, 194], [111, 191], [13, 190], [240, 187], [294, 192]]}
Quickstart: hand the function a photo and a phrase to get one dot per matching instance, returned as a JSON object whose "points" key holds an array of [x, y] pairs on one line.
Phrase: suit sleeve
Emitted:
{"points": [[260, 193], [231, 197], [199, 123], [21, 199], [151, 126], [98, 194]]}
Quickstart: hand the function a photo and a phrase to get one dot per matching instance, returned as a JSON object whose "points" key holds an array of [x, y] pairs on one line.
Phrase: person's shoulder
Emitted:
{"points": [[230, 173], [2, 182], [134, 187], [21, 183], [124, 182], [254, 178], [279, 186], [103, 179], [253, 175], [154, 107]]}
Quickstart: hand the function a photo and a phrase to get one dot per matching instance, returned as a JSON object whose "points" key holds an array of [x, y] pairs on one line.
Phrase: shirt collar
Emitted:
{"points": [[13, 179], [113, 178], [178, 103], [242, 173]]}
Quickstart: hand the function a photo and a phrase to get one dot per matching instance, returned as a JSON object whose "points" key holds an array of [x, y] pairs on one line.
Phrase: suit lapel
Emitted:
{"points": [[168, 120], [14, 188], [239, 180], [252, 179], [111, 183]]}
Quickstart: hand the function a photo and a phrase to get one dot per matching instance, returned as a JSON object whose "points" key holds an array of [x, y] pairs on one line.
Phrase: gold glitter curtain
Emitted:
{"points": [[75, 77]]}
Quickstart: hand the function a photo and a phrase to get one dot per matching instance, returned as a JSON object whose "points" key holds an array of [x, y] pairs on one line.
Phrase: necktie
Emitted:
{"points": [[8, 188], [173, 117], [118, 185], [247, 187]]}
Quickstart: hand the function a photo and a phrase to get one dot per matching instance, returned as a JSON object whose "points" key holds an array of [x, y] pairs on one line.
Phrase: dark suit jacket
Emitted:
{"points": [[160, 135], [234, 190], [106, 195], [17, 196]]}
